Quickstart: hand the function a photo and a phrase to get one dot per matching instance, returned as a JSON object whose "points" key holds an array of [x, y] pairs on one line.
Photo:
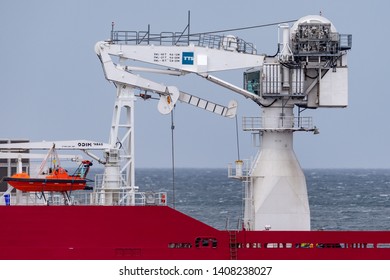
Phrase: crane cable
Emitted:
{"points": [[247, 27], [218, 31], [237, 140], [173, 157]]}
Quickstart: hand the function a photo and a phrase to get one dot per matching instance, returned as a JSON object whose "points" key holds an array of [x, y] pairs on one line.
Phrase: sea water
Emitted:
{"points": [[340, 199]]}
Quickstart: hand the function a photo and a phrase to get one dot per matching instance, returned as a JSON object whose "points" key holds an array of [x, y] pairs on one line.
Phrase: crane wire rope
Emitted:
{"points": [[173, 157], [246, 27], [208, 32], [237, 140]]}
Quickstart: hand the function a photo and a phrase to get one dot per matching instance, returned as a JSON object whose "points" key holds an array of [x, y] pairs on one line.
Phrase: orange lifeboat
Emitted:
{"points": [[58, 180]]}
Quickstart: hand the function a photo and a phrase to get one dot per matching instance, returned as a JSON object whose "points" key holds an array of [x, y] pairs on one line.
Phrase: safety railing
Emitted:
{"points": [[229, 43], [113, 190], [278, 123], [98, 197], [126, 198], [239, 170]]}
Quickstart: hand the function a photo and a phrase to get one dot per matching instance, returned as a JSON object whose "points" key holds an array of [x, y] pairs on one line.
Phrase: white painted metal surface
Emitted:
{"points": [[309, 71], [59, 145], [277, 184], [119, 168], [194, 59]]}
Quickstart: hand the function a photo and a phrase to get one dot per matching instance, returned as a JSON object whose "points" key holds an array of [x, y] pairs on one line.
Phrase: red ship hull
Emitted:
{"points": [[160, 232]]}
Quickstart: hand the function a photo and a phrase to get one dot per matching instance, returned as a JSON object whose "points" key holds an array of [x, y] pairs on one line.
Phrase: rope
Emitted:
{"points": [[173, 158], [237, 139], [247, 27], [210, 32]]}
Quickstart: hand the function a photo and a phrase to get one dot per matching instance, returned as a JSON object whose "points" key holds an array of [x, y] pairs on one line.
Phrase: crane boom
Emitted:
{"points": [[190, 59], [59, 145], [179, 60], [226, 53]]}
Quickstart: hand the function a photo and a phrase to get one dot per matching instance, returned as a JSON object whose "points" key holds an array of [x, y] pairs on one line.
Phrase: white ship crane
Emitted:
{"points": [[176, 59], [309, 71]]}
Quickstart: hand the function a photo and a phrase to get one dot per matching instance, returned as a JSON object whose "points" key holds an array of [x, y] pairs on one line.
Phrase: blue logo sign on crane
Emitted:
{"points": [[187, 58]]}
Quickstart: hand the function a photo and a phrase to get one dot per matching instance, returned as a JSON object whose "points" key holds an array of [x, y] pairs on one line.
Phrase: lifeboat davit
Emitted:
{"points": [[58, 180]]}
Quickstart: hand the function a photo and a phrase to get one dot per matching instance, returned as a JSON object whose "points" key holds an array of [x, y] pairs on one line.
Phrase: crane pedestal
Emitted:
{"points": [[278, 185]]}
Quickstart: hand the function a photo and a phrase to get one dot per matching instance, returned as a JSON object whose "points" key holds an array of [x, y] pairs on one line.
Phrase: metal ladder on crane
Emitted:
{"points": [[225, 111]]}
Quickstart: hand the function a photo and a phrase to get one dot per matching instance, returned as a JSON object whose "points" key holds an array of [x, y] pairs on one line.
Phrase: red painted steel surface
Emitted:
{"points": [[159, 232]]}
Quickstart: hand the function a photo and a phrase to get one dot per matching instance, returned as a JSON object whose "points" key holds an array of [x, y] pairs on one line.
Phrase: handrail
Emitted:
{"points": [[277, 123], [230, 42]]}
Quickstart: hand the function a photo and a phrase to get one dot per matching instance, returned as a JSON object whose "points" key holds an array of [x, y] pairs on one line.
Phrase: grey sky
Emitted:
{"points": [[52, 85]]}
